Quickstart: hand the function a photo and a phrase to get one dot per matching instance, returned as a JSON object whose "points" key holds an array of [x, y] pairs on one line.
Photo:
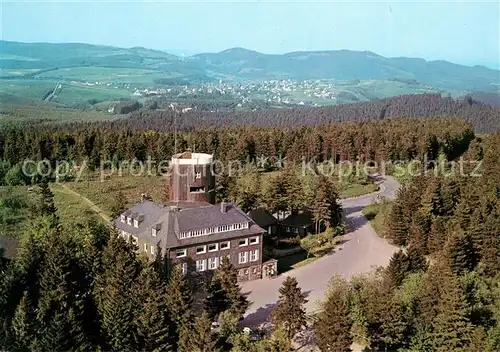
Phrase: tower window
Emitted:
{"points": [[196, 189]]}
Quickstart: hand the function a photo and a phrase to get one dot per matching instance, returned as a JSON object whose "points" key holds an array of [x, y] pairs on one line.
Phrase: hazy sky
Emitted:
{"points": [[465, 32]]}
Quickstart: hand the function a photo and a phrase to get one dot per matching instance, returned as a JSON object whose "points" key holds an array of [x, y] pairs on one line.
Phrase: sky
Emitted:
{"points": [[466, 32]]}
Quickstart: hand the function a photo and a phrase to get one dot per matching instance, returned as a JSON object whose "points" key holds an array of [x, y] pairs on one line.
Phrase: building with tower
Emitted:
{"points": [[191, 230]]}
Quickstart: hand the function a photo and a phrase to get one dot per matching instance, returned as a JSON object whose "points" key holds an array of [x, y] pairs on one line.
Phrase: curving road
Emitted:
{"points": [[361, 251]]}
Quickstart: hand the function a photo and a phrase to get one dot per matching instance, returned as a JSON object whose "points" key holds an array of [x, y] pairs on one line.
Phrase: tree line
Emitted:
{"points": [[386, 140]]}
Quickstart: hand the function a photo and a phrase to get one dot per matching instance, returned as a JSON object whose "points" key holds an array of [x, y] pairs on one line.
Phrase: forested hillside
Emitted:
{"points": [[483, 117]]}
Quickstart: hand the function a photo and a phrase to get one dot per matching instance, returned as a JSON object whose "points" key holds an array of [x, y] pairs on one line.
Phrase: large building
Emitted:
{"points": [[191, 231]]}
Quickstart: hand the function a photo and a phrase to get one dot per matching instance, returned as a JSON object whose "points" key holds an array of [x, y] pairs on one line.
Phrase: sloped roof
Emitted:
{"points": [[262, 217], [176, 219], [8, 247], [303, 218]]}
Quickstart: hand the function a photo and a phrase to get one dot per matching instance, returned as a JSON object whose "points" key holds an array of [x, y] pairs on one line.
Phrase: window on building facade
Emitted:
{"points": [[254, 240], [152, 249], [184, 268], [145, 247], [181, 253], [224, 245], [243, 242], [213, 247], [242, 257], [254, 255], [153, 232], [212, 263], [200, 265], [197, 175], [201, 249]]}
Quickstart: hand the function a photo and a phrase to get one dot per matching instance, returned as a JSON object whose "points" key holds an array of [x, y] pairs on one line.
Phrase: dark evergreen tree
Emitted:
{"points": [[153, 321], [203, 340], [225, 292], [460, 252], [179, 300], [114, 294], [452, 330], [333, 325], [119, 204], [290, 314], [398, 268]]}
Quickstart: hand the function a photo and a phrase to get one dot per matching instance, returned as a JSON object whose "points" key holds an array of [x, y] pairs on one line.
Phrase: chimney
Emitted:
{"points": [[222, 207]]}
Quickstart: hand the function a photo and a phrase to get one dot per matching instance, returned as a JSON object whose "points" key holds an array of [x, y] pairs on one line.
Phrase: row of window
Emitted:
{"points": [[214, 247], [212, 230], [213, 263]]}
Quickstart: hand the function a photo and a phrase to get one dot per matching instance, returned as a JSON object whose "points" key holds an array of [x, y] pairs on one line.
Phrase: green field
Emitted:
{"points": [[18, 109], [104, 193], [15, 213], [70, 94]]}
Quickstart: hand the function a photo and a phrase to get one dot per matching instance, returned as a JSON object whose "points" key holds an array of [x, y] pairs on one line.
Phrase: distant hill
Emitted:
{"points": [[244, 64], [346, 64]]}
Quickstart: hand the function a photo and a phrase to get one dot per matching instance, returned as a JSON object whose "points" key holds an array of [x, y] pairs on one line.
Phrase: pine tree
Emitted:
{"points": [[47, 205], [451, 197], [23, 323], [60, 307], [452, 330], [398, 225], [225, 291], [203, 340], [437, 235], [179, 300], [119, 204], [154, 328], [416, 259], [432, 200], [290, 314], [114, 294], [398, 268], [333, 325], [460, 252], [394, 325]]}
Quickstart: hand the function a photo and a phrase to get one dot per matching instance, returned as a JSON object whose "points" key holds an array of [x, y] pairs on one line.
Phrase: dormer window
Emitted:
{"points": [[153, 232], [136, 223], [129, 221], [122, 218]]}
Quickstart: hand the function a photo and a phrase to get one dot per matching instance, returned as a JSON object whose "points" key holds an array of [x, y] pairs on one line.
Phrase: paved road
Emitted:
{"points": [[360, 252]]}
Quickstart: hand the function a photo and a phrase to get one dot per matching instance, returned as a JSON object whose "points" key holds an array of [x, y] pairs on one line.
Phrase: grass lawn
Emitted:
{"points": [[357, 189], [15, 213], [376, 214], [71, 207], [104, 193]]}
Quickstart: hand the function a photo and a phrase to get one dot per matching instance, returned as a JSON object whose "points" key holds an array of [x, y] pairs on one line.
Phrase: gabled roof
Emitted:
{"points": [[303, 218], [262, 217], [8, 247], [175, 219]]}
